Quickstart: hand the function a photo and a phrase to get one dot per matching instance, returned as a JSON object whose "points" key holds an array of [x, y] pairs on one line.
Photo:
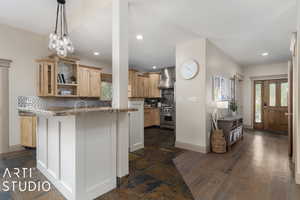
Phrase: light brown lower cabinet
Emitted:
{"points": [[151, 117], [28, 131]]}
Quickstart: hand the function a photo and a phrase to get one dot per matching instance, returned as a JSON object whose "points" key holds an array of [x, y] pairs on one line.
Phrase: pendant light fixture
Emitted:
{"points": [[60, 40]]}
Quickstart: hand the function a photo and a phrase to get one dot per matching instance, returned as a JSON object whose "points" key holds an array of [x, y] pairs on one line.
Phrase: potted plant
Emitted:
{"points": [[73, 79], [233, 107]]}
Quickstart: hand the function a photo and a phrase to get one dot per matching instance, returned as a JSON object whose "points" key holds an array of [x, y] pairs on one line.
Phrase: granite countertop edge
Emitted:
{"points": [[73, 111]]}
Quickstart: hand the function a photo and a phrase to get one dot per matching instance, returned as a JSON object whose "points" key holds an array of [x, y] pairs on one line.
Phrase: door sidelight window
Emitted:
{"points": [[272, 92], [258, 103], [284, 88]]}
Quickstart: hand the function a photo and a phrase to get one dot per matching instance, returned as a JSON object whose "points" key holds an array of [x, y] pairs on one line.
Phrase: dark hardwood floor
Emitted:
{"points": [[257, 168]]}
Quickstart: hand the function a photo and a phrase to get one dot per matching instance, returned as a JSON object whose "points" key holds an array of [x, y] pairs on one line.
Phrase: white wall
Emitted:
{"points": [[4, 109], [106, 67], [23, 48], [190, 98], [194, 97], [296, 90], [218, 64], [258, 72]]}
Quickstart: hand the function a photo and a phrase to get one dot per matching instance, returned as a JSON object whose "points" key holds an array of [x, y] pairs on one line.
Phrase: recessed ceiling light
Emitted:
{"points": [[96, 53], [139, 37], [265, 54], [154, 67]]}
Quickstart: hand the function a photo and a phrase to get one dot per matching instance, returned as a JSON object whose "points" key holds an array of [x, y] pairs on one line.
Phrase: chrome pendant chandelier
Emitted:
{"points": [[59, 40]]}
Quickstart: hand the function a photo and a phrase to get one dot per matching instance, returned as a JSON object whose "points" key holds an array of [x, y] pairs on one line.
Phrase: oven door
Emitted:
{"points": [[167, 121]]}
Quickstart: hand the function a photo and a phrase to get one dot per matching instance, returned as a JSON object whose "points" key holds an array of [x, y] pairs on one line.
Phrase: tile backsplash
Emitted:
{"points": [[40, 103]]}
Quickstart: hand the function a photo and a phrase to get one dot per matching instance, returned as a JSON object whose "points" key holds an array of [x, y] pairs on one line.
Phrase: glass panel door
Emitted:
{"points": [[258, 104], [272, 92], [284, 89]]}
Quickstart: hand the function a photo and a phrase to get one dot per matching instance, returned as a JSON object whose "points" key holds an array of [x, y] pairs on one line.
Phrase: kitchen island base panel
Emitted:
{"points": [[77, 153], [136, 126]]}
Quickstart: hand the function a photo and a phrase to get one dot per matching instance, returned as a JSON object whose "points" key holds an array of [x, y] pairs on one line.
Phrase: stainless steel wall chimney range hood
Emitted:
{"points": [[167, 78]]}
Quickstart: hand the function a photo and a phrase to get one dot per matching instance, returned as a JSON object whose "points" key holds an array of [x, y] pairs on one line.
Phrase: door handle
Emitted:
{"points": [[288, 114]]}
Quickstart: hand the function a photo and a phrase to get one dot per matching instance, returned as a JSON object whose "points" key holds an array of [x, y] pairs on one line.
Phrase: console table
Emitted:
{"points": [[232, 127]]}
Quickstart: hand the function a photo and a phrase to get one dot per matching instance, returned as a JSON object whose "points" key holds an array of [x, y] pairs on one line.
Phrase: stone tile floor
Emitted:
{"points": [[153, 176]]}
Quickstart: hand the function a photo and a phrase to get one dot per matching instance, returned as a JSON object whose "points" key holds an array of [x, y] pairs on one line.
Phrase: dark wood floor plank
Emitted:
{"points": [[257, 168]]}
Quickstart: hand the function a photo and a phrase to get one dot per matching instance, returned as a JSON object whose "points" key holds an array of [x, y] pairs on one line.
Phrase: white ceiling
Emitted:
{"points": [[242, 29]]}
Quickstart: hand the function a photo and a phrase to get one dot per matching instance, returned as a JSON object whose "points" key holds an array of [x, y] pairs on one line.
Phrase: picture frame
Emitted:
{"points": [[222, 89]]}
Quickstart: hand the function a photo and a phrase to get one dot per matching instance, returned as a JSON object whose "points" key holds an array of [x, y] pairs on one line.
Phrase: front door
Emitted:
{"points": [[271, 105]]}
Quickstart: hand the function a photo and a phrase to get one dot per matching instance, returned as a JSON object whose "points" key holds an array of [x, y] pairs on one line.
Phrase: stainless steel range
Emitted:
{"points": [[167, 112], [167, 109]]}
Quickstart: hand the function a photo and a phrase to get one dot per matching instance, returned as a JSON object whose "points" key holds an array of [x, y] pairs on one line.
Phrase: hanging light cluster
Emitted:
{"points": [[59, 39]]}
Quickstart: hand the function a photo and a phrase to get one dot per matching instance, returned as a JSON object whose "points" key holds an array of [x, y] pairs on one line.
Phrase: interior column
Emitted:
{"points": [[4, 105], [120, 81], [296, 110], [296, 107]]}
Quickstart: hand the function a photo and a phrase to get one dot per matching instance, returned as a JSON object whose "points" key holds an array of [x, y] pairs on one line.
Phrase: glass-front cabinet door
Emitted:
{"points": [[46, 79]]}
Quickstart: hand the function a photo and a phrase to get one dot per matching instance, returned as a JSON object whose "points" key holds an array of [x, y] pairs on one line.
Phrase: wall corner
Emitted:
{"points": [[297, 178], [192, 147]]}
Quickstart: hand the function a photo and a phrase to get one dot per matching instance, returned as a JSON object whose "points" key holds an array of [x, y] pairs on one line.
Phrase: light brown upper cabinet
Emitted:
{"points": [[64, 77], [84, 82], [95, 83], [46, 79], [132, 83], [57, 77], [146, 88], [143, 85], [154, 90], [89, 81]]}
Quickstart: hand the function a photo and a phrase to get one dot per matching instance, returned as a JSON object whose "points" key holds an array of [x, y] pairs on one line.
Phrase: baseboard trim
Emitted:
{"points": [[191, 147], [13, 148], [136, 147], [17, 147], [297, 178], [250, 127]]}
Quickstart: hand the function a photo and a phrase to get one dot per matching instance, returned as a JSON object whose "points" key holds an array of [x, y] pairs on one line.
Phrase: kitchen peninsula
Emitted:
{"points": [[77, 150]]}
